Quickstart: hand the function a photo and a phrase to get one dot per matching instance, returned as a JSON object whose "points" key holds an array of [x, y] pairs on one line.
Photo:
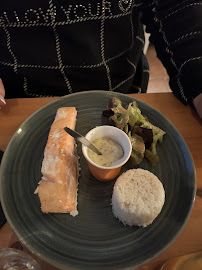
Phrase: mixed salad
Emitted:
{"points": [[143, 135]]}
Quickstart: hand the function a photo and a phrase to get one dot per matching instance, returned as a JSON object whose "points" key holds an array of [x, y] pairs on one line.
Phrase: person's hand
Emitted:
{"points": [[197, 101], [2, 94]]}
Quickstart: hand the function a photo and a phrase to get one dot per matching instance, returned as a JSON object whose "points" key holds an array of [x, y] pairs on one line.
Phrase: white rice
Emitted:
{"points": [[138, 197]]}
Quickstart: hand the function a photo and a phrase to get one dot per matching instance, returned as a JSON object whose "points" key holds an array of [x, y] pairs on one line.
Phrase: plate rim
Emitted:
{"points": [[109, 94]]}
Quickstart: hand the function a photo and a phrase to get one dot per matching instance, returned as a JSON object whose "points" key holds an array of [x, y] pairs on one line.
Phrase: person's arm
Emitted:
{"points": [[2, 94], [176, 32], [197, 101]]}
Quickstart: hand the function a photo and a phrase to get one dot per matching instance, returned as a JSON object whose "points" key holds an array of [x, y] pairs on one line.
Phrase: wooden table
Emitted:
{"points": [[186, 121]]}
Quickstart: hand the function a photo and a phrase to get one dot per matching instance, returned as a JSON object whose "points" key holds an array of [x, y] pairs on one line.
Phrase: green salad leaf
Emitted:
{"points": [[153, 159], [157, 135], [120, 116], [135, 116], [138, 149], [143, 135]]}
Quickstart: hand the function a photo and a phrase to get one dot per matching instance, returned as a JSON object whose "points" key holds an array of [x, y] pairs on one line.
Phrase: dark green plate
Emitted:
{"points": [[94, 239]]}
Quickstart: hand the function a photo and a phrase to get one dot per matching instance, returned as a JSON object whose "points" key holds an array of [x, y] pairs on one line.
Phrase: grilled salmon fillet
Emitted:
{"points": [[57, 189]]}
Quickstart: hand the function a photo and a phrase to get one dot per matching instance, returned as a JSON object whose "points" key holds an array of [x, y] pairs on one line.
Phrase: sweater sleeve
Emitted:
{"points": [[176, 32]]}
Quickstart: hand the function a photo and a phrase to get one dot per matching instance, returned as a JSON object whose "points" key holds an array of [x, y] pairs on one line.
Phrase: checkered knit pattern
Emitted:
{"points": [[58, 47]]}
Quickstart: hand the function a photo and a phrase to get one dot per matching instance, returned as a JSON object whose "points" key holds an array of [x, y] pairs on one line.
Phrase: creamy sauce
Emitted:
{"points": [[111, 152]]}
